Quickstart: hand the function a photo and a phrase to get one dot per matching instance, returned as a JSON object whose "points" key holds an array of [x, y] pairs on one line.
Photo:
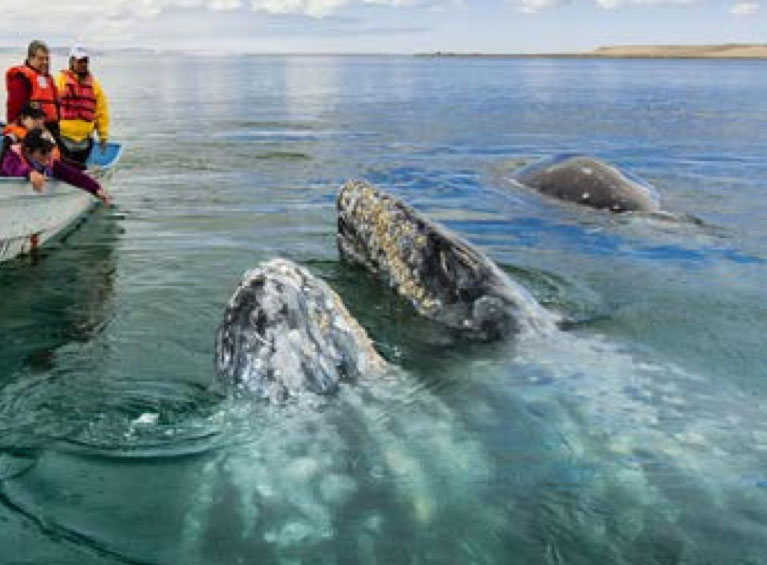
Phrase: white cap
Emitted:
{"points": [[78, 52]]}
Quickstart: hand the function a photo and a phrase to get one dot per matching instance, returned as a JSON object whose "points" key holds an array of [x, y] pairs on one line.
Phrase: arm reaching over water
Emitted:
{"points": [[77, 178], [14, 165]]}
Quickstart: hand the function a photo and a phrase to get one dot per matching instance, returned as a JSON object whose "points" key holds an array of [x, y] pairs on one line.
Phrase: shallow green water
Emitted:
{"points": [[637, 436]]}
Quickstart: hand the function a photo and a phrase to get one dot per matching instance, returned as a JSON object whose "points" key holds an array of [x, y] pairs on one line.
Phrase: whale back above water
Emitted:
{"points": [[590, 182], [285, 332], [443, 276]]}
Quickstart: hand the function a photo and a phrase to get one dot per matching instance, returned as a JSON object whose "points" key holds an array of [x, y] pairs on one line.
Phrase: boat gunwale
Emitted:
{"points": [[16, 193], [55, 187]]}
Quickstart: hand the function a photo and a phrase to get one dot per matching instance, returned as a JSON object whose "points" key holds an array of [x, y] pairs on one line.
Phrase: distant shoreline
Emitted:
{"points": [[741, 51], [726, 51]]}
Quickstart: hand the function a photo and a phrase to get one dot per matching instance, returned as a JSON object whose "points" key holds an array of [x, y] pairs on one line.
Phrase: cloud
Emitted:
{"points": [[535, 6], [152, 8], [744, 9], [100, 22], [223, 5], [320, 8], [611, 4], [316, 8]]}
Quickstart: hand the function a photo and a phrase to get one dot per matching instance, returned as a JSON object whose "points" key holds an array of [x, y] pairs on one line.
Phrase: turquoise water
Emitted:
{"points": [[636, 436]]}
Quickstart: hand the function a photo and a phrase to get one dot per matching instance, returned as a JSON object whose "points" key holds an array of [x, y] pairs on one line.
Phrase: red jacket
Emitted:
{"points": [[20, 91], [77, 99]]}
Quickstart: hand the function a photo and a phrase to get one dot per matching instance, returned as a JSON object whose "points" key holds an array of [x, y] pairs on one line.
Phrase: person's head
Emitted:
{"points": [[38, 145], [78, 60], [38, 56], [31, 116]]}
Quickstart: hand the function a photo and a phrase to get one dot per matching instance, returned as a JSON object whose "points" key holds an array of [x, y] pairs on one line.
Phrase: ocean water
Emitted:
{"points": [[637, 435]]}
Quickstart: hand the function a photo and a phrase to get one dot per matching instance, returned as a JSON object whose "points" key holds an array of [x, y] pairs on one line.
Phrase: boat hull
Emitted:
{"points": [[31, 220], [28, 219]]}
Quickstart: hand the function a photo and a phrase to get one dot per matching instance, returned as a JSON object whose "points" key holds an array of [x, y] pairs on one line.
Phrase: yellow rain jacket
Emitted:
{"points": [[78, 129]]}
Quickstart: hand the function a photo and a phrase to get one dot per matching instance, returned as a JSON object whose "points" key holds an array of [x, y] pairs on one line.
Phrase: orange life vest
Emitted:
{"points": [[15, 131], [78, 100], [44, 92]]}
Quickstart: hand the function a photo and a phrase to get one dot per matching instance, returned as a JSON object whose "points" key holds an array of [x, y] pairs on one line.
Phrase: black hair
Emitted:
{"points": [[38, 139], [31, 110]]}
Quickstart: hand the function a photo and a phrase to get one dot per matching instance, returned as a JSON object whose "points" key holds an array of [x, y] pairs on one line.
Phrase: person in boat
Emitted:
{"points": [[31, 82], [30, 117], [32, 159], [83, 109]]}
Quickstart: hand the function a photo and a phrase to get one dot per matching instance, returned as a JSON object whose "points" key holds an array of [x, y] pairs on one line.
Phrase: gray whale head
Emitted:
{"points": [[285, 332], [589, 182], [442, 276]]}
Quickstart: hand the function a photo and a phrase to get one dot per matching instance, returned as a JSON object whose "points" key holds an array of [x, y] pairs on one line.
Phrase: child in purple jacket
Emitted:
{"points": [[32, 160]]}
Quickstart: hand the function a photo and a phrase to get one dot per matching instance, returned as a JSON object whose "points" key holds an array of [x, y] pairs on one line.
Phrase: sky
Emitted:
{"points": [[381, 26]]}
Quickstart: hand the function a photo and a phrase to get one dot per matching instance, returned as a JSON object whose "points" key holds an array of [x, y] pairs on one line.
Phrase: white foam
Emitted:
{"points": [[146, 419]]}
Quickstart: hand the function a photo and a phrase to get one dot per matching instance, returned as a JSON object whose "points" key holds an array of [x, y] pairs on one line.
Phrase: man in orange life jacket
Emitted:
{"points": [[83, 107], [31, 82]]}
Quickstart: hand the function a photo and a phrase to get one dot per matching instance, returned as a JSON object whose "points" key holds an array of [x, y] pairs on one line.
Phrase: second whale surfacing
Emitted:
{"points": [[443, 276], [285, 332], [587, 181]]}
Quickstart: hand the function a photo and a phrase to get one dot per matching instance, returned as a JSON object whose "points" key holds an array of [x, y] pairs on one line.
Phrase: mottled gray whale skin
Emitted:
{"points": [[285, 332], [442, 276], [590, 182]]}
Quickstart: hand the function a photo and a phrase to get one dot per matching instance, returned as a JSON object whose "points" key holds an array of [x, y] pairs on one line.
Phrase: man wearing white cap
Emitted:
{"points": [[83, 108]]}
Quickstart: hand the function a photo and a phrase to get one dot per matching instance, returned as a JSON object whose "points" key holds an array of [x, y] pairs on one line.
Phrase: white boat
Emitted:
{"points": [[29, 219]]}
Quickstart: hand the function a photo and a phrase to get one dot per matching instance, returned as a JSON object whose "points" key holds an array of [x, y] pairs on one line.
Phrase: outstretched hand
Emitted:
{"points": [[37, 180], [102, 195]]}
